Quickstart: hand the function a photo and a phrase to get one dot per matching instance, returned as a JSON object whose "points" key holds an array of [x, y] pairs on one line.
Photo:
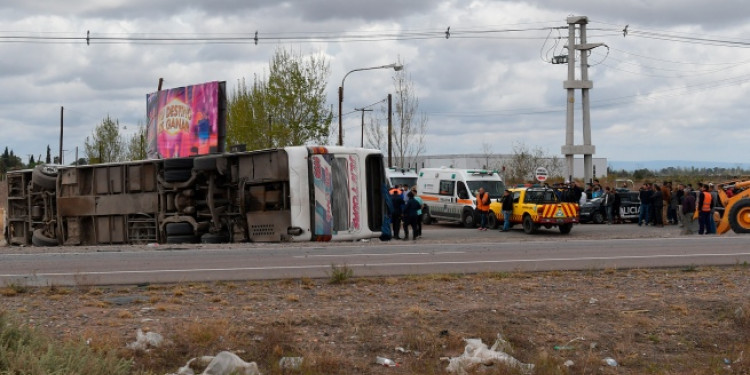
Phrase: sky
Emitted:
{"points": [[675, 86]]}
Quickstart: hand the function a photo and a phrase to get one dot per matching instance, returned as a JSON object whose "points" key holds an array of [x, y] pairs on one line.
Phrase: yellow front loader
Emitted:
{"points": [[736, 208]]}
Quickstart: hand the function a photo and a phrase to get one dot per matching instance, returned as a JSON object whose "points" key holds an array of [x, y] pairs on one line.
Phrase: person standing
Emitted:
{"points": [[666, 198], [644, 195], [705, 206], [607, 204], [716, 203], [411, 216], [398, 209], [507, 209], [483, 207], [677, 196], [688, 209], [657, 203], [419, 212], [616, 203]]}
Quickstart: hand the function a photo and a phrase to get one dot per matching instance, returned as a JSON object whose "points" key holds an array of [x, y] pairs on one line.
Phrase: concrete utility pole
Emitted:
{"points": [[584, 84], [362, 142], [61, 136]]}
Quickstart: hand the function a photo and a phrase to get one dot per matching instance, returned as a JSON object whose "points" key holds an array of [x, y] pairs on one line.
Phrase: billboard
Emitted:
{"points": [[186, 121]]}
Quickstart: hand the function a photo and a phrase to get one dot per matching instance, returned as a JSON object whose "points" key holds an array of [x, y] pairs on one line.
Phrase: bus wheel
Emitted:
{"points": [[42, 179], [39, 239], [220, 237], [467, 219], [739, 216]]}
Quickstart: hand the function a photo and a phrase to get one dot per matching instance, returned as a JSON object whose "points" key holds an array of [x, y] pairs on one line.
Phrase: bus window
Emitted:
{"points": [[340, 198]]}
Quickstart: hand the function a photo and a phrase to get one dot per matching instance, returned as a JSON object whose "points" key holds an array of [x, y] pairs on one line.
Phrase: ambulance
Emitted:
{"points": [[401, 176], [449, 194]]}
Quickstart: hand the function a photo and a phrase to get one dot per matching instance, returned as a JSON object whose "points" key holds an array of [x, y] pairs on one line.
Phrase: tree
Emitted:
{"points": [[287, 108], [409, 124], [48, 160], [524, 161], [105, 144], [136, 145], [246, 116]]}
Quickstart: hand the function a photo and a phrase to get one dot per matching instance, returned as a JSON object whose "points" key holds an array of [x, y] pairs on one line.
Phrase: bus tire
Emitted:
{"points": [[178, 163], [178, 229], [183, 238], [739, 216], [43, 180], [39, 239], [215, 238], [565, 228], [529, 227], [467, 219], [177, 175], [206, 163]]}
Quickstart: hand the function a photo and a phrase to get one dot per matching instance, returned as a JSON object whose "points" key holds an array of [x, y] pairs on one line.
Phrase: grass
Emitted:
{"points": [[650, 321], [25, 351], [339, 274]]}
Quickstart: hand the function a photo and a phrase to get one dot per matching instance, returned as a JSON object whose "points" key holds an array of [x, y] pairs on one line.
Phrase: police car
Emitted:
{"points": [[593, 212]]}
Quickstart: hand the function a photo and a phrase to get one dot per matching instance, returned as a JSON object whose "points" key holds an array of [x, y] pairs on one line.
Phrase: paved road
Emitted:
{"points": [[444, 249]]}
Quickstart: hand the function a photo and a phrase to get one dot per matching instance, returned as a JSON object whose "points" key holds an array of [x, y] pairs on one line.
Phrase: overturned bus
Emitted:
{"points": [[288, 194]]}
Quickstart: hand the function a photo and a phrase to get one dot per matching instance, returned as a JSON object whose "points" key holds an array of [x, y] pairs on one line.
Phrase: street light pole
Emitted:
{"points": [[395, 66]]}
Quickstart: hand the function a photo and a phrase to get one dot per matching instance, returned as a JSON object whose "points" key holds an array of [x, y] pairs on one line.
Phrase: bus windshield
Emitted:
{"points": [[494, 187]]}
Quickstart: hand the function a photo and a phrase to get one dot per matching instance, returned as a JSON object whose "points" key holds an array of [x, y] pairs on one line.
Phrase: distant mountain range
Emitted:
{"points": [[655, 165]]}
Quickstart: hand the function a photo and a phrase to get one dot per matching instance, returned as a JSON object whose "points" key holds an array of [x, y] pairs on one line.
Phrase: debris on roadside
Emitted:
{"points": [[144, 341], [385, 362], [224, 363], [290, 363], [609, 361], [477, 353]]}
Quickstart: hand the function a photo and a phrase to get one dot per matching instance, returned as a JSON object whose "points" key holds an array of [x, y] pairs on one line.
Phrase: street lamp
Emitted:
{"points": [[395, 66]]}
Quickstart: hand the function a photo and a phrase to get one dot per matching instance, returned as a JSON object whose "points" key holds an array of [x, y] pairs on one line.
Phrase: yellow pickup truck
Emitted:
{"points": [[536, 207]]}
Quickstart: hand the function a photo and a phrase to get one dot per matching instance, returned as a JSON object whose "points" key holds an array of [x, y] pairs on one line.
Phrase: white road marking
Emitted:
{"points": [[376, 254], [392, 264]]}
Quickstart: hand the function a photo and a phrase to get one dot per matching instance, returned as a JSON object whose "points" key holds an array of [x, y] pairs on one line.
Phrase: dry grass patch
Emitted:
{"points": [[124, 314]]}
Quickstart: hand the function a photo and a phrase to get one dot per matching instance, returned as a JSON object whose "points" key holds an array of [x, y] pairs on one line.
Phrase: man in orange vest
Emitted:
{"points": [[705, 207], [483, 207]]}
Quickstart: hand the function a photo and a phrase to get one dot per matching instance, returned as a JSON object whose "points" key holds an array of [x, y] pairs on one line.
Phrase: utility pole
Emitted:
{"points": [[362, 142], [390, 130], [583, 84], [61, 135]]}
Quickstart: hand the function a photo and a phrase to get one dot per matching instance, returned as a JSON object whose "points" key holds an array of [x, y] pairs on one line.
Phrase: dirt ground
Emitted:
{"points": [[662, 321]]}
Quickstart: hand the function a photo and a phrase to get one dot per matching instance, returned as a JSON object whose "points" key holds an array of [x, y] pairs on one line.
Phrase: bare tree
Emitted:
{"points": [[409, 124], [525, 160]]}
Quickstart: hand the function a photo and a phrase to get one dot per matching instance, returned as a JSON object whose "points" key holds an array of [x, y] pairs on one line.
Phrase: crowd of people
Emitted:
{"points": [[660, 205], [407, 211], [665, 204]]}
